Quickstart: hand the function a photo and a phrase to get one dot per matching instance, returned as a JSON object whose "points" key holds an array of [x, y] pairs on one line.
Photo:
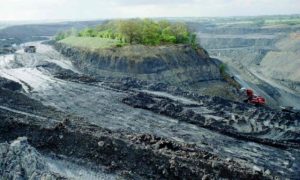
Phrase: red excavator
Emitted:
{"points": [[253, 98]]}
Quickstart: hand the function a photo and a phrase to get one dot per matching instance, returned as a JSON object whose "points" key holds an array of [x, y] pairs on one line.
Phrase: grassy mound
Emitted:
{"points": [[91, 43]]}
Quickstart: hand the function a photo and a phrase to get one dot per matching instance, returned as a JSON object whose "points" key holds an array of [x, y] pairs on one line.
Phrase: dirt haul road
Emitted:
{"points": [[104, 107]]}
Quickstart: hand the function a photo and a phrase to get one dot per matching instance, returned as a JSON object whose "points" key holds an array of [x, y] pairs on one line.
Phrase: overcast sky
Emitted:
{"points": [[103, 9]]}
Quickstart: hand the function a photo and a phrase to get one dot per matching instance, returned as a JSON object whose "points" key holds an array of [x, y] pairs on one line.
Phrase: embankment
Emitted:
{"points": [[177, 64]]}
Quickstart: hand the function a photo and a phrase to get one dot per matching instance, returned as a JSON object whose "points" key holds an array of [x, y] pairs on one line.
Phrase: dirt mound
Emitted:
{"points": [[20, 102], [18, 160], [11, 85]]}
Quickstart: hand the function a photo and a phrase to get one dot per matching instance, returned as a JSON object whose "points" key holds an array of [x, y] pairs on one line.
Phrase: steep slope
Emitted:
{"points": [[283, 64], [178, 65]]}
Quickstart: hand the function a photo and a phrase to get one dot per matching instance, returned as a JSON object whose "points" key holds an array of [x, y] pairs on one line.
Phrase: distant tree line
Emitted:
{"points": [[140, 31]]}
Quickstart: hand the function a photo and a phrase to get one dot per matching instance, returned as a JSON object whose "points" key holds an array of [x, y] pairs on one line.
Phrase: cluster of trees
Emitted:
{"points": [[140, 31]]}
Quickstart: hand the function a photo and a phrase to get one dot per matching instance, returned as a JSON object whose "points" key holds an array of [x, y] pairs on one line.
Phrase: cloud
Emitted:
{"points": [[101, 9]]}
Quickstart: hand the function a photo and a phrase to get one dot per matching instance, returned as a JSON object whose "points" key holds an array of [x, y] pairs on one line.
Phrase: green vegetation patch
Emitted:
{"points": [[90, 42], [138, 31]]}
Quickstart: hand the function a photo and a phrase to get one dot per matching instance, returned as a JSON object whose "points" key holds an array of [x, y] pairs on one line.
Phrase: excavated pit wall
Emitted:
{"points": [[178, 64], [264, 56]]}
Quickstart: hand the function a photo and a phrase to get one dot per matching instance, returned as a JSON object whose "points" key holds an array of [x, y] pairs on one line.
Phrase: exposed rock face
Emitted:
{"points": [[178, 64], [19, 160]]}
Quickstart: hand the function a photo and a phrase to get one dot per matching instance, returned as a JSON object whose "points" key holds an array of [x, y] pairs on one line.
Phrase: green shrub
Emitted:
{"points": [[223, 68], [88, 32], [120, 44]]}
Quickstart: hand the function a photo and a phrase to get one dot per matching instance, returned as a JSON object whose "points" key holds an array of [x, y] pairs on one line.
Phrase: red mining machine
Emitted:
{"points": [[253, 98]]}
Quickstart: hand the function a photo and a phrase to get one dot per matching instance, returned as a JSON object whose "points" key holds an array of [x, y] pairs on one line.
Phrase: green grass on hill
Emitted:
{"points": [[90, 42]]}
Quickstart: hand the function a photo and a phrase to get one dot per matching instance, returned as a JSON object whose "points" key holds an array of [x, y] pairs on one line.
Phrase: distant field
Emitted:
{"points": [[90, 42], [262, 21], [292, 21], [256, 20]]}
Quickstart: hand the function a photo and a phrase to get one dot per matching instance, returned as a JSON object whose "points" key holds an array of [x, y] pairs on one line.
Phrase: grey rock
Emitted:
{"points": [[18, 160]]}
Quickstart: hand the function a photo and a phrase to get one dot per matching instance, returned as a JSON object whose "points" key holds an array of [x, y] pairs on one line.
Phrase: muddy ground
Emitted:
{"points": [[107, 128]]}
